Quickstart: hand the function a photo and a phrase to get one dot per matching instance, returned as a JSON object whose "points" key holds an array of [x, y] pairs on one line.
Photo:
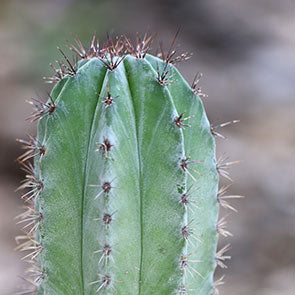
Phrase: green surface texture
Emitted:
{"points": [[113, 217]]}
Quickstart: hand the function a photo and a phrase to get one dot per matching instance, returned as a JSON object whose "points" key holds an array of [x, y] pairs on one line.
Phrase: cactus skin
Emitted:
{"points": [[116, 168]]}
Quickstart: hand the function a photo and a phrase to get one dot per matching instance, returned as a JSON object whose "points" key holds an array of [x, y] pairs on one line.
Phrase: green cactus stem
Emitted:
{"points": [[123, 193]]}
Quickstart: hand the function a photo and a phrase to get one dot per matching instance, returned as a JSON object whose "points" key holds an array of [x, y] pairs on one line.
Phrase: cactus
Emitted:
{"points": [[123, 194]]}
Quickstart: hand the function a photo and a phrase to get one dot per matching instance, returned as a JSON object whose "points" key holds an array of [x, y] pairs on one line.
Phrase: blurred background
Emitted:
{"points": [[245, 49]]}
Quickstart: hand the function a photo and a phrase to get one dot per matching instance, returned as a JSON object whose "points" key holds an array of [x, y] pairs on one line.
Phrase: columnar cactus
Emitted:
{"points": [[123, 193]]}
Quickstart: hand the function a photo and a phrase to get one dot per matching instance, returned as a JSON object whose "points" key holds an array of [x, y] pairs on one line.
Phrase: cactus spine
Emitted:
{"points": [[124, 188]]}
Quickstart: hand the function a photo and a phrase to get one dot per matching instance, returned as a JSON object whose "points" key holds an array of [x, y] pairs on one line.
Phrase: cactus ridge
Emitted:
{"points": [[123, 195]]}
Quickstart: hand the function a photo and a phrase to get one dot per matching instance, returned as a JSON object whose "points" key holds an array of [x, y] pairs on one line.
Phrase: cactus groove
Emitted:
{"points": [[124, 189]]}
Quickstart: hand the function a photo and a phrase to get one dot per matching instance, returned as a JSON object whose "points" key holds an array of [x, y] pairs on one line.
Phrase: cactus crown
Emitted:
{"points": [[123, 195]]}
